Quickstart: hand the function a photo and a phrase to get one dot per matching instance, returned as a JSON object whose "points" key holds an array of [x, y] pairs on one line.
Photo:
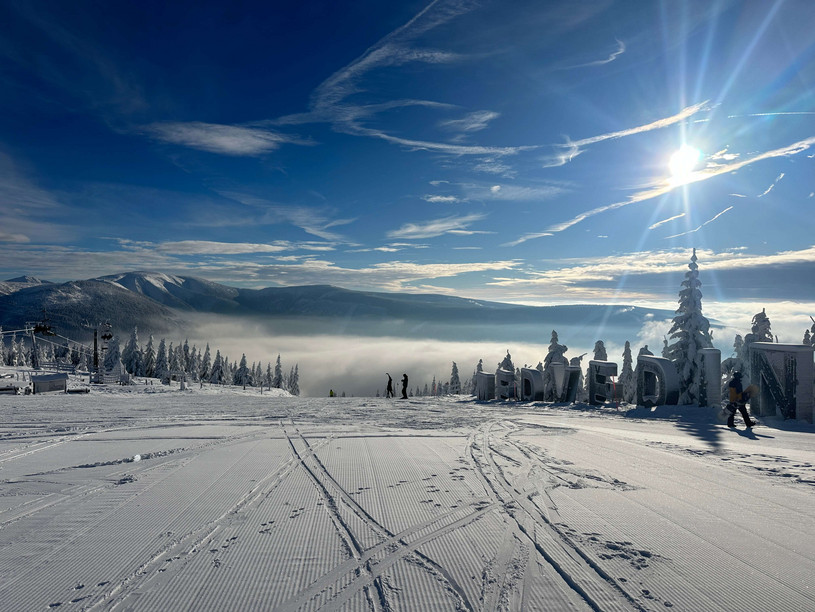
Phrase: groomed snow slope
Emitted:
{"points": [[249, 502]]}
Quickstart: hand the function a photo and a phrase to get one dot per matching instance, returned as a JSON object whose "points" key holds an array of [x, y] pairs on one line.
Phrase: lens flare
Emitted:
{"points": [[683, 162]]}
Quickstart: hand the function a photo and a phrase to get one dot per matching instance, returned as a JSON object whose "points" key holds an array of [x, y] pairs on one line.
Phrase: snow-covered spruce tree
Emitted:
{"points": [[132, 355], [807, 338], [195, 363], [294, 381], [600, 351], [172, 359], [626, 380], [277, 381], [690, 332], [206, 364], [506, 363], [455, 382], [113, 356], [242, 376], [162, 369], [185, 364], [217, 374], [2, 348], [267, 378], [149, 359]]}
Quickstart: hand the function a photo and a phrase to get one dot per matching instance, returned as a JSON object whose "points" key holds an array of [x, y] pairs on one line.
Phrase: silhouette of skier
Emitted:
{"points": [[738, 400], [389, 392], [404, 386]]}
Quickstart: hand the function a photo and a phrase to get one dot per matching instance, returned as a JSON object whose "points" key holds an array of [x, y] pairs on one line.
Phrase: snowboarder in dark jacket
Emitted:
{"points": [[738, 399], [404, 386], [389, 391]]}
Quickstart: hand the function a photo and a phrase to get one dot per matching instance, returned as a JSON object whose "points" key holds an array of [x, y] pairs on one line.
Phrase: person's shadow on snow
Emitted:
{"points": [[752, 435]]}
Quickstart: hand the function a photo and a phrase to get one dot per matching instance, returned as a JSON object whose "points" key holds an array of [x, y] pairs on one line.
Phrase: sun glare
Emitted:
{"points": [[683, 162]]}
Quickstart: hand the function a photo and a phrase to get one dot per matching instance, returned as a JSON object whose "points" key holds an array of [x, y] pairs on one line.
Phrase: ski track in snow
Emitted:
{"points": [[248, 503]]}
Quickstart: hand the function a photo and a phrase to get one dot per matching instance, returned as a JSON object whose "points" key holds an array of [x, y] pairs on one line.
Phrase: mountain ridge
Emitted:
{"points": [[166, 303]]}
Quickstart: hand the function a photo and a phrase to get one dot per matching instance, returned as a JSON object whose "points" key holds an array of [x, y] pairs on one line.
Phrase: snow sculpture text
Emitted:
{"points": [[531, 385], [505, 384], [485, 386], [784, 375], [657, 381], [710, 388], [601, 387]]}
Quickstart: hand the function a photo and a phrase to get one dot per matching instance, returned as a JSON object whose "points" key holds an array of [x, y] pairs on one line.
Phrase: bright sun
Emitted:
{"points": [[683, 162]]}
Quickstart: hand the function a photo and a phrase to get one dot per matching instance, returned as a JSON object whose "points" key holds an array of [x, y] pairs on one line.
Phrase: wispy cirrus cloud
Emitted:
{"points": [[573, 148], [216, 138], [318, 221], [612, 56], [666, 186], [590, 278], [770, 188], [436, 227], [441, 199], [693, 231], [470, 123], [664, 221]]}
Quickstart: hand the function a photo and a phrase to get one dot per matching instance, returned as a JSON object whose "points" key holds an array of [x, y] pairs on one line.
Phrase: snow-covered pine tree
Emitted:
{"points": [[600, 351], [185, 354], [2, 348], [132, 354], [12, 358], [807, 338], [627, 380], [206, 364], [162, 369], [506, 363], [195, 363], [690, 332], [113, 356], [294, 381], [242, 376], [277, 381], [172, 359], [455, 381], [149, 359], [267, 378], [217, 375]]}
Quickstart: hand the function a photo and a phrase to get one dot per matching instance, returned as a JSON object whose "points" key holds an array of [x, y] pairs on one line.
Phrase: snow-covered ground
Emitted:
{"points": [[219, 499]]}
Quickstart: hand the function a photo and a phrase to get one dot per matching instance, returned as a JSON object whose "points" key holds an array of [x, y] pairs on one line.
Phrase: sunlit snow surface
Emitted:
{"points": [[248, 502]]}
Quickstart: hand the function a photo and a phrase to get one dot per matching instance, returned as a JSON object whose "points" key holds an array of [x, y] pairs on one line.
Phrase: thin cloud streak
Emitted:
{"points": [[664, 221], [436, 227], [770, 188], [216, 138], [613, 56], [701, 226]]}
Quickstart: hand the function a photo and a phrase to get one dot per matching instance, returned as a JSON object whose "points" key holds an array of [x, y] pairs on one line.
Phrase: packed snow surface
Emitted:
{"points": [[133, 499]]}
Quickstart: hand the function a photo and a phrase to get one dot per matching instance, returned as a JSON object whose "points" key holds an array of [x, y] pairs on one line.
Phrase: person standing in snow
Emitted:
{"points": [[738, 399], [389, 392], [404, 386]]}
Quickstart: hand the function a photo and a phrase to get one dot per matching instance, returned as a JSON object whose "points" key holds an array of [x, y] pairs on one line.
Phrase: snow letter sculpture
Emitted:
{"points": [[710, 387], [505, 384], [657, 381], [484, 386], [784, 375], [531, 385], [601, 388]]}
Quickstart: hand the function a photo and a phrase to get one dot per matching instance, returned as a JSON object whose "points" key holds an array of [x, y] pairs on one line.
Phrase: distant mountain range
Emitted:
{"points": [[166, 304]]}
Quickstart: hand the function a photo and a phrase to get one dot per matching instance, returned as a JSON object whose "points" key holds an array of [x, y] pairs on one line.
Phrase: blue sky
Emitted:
{"points": [[511, 151]]}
